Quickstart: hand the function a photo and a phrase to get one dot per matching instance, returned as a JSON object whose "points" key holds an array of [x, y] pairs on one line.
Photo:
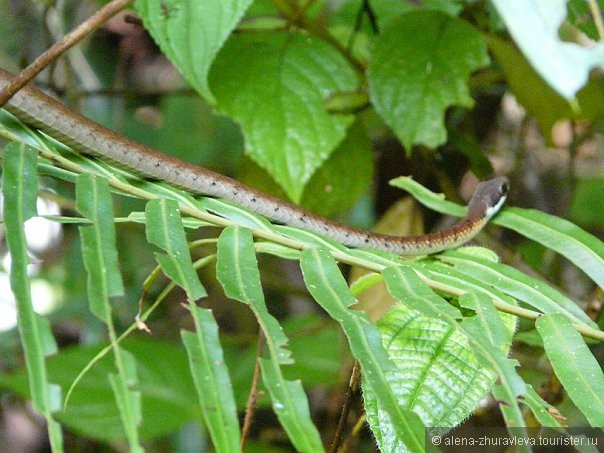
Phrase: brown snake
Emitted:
{"points": [[48, 115]]}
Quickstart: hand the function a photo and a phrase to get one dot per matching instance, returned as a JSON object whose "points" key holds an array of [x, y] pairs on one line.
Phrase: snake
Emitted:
{"points": [[40, 111]]}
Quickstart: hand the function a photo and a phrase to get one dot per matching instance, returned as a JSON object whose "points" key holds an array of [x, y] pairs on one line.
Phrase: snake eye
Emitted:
{"points": [[505, 187]]}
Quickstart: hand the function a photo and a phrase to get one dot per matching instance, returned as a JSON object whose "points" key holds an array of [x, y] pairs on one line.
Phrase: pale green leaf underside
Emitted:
{"points": [[165, 229], [328, 287], [274, 86], [237, 271], [523, 287], [127, 396], [191, 32], [19, 191], [420, 351], [419, 67], [99, 252], [536, 96], [575, 244], [212, 381], [437, 375], [534, 25]]}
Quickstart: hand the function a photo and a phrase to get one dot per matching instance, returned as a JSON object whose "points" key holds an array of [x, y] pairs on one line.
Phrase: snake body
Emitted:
{"points": [[51, 117]]}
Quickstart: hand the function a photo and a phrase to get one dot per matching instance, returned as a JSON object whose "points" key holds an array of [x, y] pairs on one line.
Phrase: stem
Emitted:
{"points": [[345, 257], [299, 19], [597, 16]]}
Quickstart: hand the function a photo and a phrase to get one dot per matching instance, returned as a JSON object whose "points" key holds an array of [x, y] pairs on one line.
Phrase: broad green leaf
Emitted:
{"points": [[191, 33], [287, 130], [539, 99], [437, 374], [328, 287], [493, 357], [575, 366], [164, 229], [237, 271], [336, 185], [189, 130], [93, 201], [127, 396], [523, 287], [419, 67], [166, 389], [344, 177], [212, 381], [445, 276], [19, 190], [534, 25]]}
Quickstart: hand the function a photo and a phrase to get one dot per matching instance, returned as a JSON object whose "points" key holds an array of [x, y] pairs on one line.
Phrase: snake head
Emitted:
{"points": [[489, 197]]}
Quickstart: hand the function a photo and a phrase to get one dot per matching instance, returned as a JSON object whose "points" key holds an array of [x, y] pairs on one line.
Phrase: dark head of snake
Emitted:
{"points": [[488, 197]]}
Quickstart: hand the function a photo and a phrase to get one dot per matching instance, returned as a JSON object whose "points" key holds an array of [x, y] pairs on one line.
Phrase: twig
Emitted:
{"points": [[597, 16], [250, 406], [69, 40], [352, 388], [297, 18], [364, 9]]}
